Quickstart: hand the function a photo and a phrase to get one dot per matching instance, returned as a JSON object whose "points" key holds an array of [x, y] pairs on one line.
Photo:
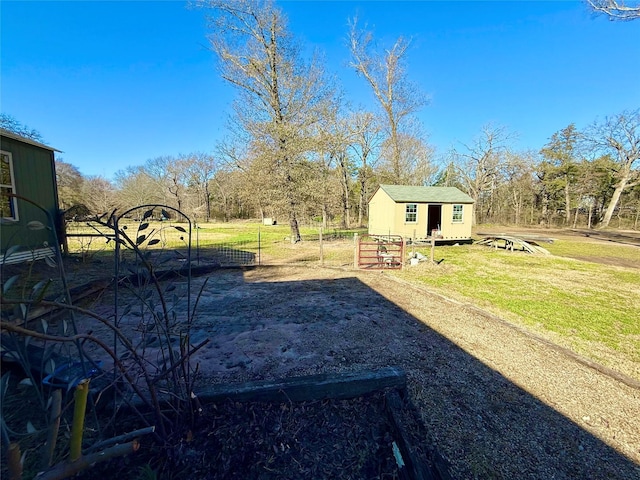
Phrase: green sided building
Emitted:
{"points": [[30, 219]]}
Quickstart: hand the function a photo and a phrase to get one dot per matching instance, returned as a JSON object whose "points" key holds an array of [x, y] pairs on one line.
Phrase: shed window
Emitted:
{"points": [[457, 214], [8, 209], [411, 213]]}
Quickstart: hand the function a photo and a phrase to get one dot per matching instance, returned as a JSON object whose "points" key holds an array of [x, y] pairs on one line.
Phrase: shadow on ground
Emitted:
{"points": [[264, 326]]}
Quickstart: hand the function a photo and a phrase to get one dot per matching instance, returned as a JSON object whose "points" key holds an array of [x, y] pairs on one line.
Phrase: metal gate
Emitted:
{"points": [[383, 252]]}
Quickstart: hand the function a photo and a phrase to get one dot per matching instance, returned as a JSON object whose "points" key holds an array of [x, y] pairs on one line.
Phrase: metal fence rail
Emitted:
{"points": [[380, 252]]}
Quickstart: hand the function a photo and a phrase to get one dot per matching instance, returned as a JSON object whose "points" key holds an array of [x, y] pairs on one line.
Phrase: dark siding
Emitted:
{"points": [[34, 173]]}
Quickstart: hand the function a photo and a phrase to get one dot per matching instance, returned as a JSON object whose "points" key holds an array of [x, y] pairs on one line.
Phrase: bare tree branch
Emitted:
{"points": [[619, 136], [385, 73], [616, 10]]}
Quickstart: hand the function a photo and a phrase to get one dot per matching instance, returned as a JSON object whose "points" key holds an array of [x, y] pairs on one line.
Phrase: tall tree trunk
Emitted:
{"points": [[397, 170], [363, 192], [567, 201], [207, 200], [225, 202], [360, 206], [293, 218], [344, 180], [545, 209], [615, 198], [325, 215], [517, 207], [295, 229]]}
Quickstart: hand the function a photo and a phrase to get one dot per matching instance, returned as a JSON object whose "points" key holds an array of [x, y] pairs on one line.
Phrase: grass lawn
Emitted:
{"points": [[590, 307]]}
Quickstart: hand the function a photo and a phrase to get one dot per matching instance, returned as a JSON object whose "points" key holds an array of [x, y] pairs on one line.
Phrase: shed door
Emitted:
{"points": [[434, 218]]}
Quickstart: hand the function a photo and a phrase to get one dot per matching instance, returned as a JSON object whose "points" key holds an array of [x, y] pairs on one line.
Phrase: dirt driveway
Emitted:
{"points": [[497, 402]]}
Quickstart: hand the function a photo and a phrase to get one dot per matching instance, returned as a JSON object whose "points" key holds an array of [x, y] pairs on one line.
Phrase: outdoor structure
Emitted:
{"points": [[443, 213], [27, 170]]}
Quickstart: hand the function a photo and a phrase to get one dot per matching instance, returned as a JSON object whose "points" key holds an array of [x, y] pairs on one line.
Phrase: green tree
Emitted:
{"points": [[562, 164], [448, 176]]}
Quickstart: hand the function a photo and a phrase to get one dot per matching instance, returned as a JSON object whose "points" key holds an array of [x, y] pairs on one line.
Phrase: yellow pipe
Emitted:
{"points": [[77, 427]]}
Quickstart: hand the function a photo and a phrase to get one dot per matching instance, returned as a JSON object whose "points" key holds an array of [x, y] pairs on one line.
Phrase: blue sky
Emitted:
{"points": [[113, 84]]}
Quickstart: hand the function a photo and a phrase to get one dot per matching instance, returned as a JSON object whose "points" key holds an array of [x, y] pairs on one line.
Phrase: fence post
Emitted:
{"points": [[403, 252], [321, 250], [259, 245], [413, 244], [433, 246], [355, 250]]}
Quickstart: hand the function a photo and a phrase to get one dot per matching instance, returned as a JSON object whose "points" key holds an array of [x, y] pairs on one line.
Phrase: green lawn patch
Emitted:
{"points": [[581, 302]]}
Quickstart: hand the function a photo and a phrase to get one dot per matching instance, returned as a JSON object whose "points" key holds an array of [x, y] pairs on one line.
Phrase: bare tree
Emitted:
{"points": [[70, 182], [280, 95], [245, 177], [200, 169], [616, 10], [99, 194], [386, 74], [519, 183], [230, 195], [177, 181], [366, 140], [479, 165], [10, 123], [135, 187], [416, 167], [335, 164], [620, 137]]}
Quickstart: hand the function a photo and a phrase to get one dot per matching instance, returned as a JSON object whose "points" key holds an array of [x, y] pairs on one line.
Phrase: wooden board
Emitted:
{"points": [[308, 388], [512, 243], [414, 466], [524, 236]]}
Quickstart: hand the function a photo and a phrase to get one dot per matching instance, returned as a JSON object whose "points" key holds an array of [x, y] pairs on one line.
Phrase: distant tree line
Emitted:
{"points": [[297, 150], [580, 178]]}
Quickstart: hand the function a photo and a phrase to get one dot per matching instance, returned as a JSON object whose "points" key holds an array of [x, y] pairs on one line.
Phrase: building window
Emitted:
{"points": [[457, 214], [8, 207], [411, 213]]}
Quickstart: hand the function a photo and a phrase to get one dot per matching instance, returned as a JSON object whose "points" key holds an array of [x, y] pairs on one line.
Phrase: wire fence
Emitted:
{"points": [[232, 244], [332, 248]]}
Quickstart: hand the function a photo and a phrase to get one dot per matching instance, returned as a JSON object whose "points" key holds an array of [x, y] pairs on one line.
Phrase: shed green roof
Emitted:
{"points": [[409, 193]]}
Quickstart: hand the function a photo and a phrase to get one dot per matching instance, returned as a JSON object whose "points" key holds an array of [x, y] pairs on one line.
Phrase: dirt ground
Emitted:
{"points": [[496, 401]]}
